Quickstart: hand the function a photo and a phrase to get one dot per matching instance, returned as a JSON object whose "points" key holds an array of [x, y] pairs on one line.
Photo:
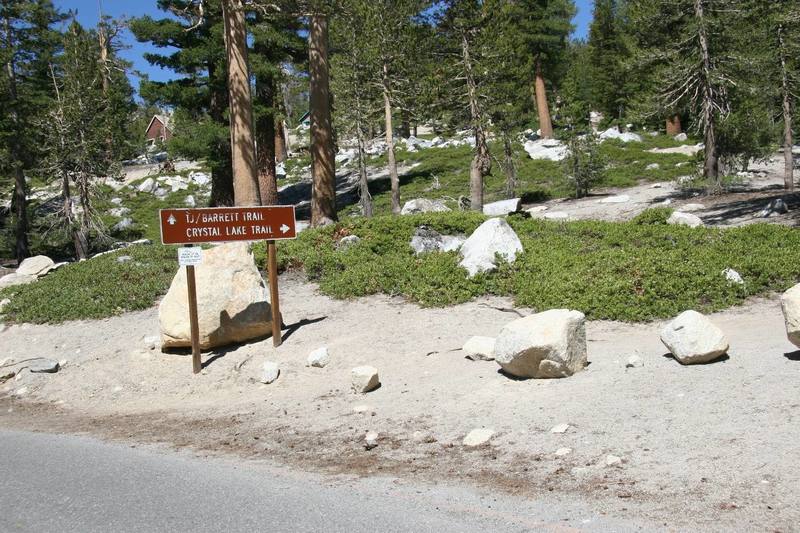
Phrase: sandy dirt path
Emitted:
{"points": [[710, 446]]}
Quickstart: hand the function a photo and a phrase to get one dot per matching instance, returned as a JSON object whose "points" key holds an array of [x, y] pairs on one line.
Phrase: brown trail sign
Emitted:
{"points": [[227, 224]]}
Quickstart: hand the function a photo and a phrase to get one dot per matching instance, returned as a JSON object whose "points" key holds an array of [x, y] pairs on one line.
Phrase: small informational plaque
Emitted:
{"points": [[190, 256]]}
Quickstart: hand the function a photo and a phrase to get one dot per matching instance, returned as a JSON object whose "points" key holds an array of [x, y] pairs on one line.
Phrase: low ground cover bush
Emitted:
{"points": [[631, 271]]}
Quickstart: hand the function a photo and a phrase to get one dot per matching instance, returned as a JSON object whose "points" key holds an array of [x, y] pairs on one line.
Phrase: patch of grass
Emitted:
{"points": [[97, 288], [633, 271], [443, 173]]}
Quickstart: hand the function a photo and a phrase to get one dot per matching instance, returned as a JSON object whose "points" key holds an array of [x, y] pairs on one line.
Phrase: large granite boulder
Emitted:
{"points": [[492, 237], [232, 301], [423, 205], [790, 303], [692, 338], [551, 344], [36, 266]]}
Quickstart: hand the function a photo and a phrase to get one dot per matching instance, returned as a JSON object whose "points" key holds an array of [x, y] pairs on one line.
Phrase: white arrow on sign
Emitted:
{"points": [[285, 228], [171, 220]]}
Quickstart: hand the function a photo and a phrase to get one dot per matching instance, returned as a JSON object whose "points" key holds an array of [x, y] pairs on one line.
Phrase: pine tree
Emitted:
{"points": [[28, 44], [695, 70], [608, 54], [77, 130], [536, 35], [461, 26]]}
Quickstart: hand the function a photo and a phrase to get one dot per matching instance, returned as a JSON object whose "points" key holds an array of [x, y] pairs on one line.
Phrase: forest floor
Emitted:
{"points": [[705, 447]]}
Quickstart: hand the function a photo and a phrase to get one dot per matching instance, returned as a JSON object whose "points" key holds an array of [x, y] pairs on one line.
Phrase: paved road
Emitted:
{"points": [[66, 483]]}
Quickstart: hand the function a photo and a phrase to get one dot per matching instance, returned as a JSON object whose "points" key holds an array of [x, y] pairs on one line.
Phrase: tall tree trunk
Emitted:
{"points": [[221, 166], [323, 165], [481, 163], [788, 141], [243, 149], [711, 164], [105, 43], [365, 198], [405, 124], [391, 161], [20, 199], [509, 167], [674, 125], [265, 147], [280, 141], [545, 124]]}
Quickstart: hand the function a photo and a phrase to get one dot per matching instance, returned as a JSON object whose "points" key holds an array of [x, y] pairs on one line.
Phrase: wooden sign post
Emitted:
{"points": [[227, 224]]}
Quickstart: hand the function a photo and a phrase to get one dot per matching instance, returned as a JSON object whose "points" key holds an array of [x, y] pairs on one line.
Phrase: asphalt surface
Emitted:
{"points": [[68, 483]]}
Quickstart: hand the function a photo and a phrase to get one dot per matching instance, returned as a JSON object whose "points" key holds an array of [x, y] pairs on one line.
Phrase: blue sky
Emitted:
{"points": [[87, 12]]}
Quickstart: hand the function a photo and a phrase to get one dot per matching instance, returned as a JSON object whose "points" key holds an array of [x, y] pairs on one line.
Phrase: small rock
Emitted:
{"points": [[657, 186], [364, 379], [116, 201], [775, 207], [557, 215], [477, 437], [681, 137], [561, 452], [123, 224], [652, 166], [44, 366], [347, 242], [148, 185], [685, 219], [62, 363], [561, 428], [692, 338], [362, 409], [151, 341], [270, 372], [161, 193], [371, 440], [124, 259], [732, 276], [479, 348], [189, 201], [3, 303], [319, 358], [634, 361], [502, 207], [119, 212], [613, 460]]}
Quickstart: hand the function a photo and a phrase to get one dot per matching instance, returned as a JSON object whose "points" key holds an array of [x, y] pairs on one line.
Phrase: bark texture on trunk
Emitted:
{"points": [[243, 149], [788, 141], [545, 124], [280, 142], [481, 163], [674, 125], [711, 163], [221, 166], [265, 145], [390, 156], [20, 198], [509, 167], [323, 167]]}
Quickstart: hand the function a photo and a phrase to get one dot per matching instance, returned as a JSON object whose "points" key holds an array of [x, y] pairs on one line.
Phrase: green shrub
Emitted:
{"points": [[653, 216]]}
